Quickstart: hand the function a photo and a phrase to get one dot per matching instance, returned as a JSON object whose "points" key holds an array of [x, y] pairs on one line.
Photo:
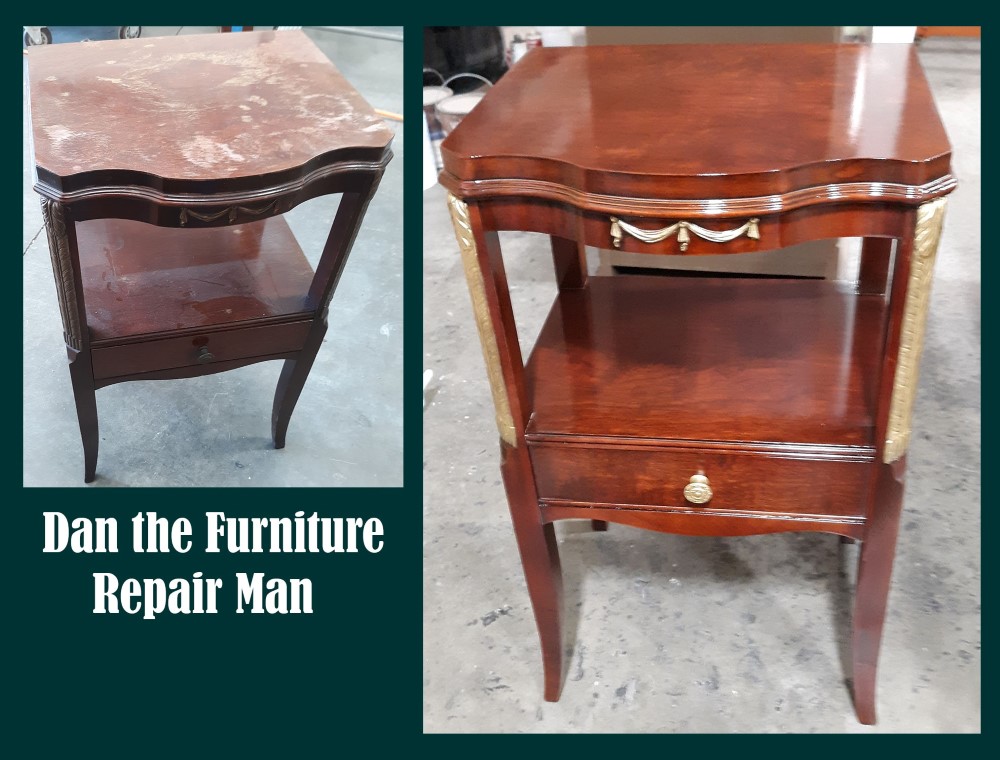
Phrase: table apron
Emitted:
{"points": [[775, 230]]}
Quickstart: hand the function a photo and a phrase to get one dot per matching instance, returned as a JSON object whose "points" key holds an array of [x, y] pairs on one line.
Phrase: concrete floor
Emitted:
{"points": [[677, 634], [347, 429]]}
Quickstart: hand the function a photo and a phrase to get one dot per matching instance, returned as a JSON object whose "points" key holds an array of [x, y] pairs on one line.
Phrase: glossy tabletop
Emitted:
{"points": [[218, 112], [704, 121]]}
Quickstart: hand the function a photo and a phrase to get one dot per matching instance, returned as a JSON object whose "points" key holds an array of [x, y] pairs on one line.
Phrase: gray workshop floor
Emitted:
{"points": [[680, 634], [347, 429]]}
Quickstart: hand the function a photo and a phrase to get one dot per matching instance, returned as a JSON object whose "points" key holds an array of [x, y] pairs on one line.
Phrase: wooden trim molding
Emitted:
{"points": [[930, 217], [62, 267], [480, 307], [708, 208], [153, 189]]}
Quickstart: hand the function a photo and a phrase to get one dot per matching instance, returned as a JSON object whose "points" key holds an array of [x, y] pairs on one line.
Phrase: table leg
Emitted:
{"points": [[873, 273], [874, 572], [482, 261], [84, 394], [540, 558], [293, 378], [911, 281], [338, 246], [570, 261], [61, 233]]}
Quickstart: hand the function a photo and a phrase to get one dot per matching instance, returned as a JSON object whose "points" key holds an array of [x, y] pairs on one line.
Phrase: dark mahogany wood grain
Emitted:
{"points": [[193, 370], [649, 357], [143, 279], [705, 122], [199, 114], [874, 574], [699, 523], [570, 261], [777, 231], [170, 160], [84, 387], [740, 482], [536, 541], [778, 391], [338, 246], [873, 270], [223, 345]]}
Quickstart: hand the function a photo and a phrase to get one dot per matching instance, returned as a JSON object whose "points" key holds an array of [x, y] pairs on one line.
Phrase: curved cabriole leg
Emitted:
{"points": [[540, 557], [874, 572], [331, 265], [293, 378], [86, 411]]}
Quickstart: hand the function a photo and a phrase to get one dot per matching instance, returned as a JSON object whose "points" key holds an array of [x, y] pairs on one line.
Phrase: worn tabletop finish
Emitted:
{"points": [[198, 108], [704, 121], [165, 166]]}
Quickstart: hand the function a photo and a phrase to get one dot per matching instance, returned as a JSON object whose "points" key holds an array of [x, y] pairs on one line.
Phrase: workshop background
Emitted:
{"points": [[347, 428], [681, 634]]}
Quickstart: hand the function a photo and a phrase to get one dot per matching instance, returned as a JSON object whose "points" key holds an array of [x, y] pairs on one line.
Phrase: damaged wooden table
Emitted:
{"points": [[164, 166], [701, 406]]}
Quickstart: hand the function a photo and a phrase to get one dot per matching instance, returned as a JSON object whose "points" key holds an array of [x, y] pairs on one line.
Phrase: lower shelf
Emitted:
{"points": [[636, 359], [140, 279]]}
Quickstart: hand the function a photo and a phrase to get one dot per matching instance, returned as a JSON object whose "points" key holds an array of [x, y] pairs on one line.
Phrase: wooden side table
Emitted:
{"points": [[693, 405], [164, 166]]}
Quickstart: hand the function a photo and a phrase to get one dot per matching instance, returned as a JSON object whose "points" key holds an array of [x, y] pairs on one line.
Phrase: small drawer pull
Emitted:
{"points": [[698, 491], [683, 230], [205, 356]]}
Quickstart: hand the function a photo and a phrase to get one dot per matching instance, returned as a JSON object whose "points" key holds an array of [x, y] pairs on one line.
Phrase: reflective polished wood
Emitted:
{"points": [[692, 405], [782, 123]]}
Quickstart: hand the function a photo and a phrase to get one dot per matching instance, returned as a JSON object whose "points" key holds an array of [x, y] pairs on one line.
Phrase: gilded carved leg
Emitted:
{"points": [[78, 349], [878, 545], [536, 539], [930, 218], [484, 323]]}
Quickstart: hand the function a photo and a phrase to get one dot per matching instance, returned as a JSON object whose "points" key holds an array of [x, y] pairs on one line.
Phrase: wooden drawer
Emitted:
{"points": [[656, 477], [224, 345]]}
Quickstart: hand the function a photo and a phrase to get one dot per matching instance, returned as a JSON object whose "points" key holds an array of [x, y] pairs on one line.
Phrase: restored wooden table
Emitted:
{"points": [[164, 165], [696, 405]]}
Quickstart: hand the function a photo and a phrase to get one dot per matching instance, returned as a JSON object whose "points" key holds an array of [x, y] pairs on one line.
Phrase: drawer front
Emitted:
{"points": [[224, 345], [737, 481]]}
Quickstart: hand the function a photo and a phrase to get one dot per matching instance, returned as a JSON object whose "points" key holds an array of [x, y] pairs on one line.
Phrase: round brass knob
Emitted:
{"points": [[205, 356], [698, 491]]}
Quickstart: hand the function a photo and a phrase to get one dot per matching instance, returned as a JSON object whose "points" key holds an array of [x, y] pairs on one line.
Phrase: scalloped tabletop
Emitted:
{"points": [[703, 122], [193, 113]]}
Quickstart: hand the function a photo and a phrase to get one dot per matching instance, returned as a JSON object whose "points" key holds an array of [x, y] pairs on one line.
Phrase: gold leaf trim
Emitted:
{"points": [[62, 270], [750, 227], [480, 307], [930, 217]]}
